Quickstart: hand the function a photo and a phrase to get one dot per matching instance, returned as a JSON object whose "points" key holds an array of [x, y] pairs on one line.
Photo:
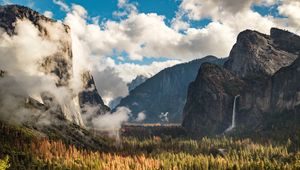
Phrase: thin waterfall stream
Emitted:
{"points": [[232, 126]]}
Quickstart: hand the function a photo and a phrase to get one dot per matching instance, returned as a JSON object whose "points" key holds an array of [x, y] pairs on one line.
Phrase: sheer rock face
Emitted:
{"points": [[165, 92], [208, 109], [286, 88], [59, 65], [268, 68]]}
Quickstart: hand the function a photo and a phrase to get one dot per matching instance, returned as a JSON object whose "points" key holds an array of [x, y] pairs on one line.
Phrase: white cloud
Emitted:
{"points": [[129, 71], [109, 84], [291, 10], [179, 25], [48, 14], [112, 121], [63, 6], [216, 9], [125, 8], [92, 47], [229, 18]]}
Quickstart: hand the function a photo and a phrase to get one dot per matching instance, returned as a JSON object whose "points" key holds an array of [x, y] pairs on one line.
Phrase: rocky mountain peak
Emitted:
{"points": [[255, 53], [10, 13]]}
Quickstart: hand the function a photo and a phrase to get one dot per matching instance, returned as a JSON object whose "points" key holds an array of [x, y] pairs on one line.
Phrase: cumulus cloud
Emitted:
{"points": [[129, 71], [125, 8], [48, 14], [229, 18], [215, 9], [291, 10], [93, 45], [63, 6], [109, 84]]}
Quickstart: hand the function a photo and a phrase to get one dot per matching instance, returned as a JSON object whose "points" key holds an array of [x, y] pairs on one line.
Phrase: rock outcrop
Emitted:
{"points": [[165, 92], [266, 69]]}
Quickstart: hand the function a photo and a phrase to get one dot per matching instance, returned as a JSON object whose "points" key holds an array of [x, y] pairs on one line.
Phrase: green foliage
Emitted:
{"points": [[4, 163], [148, 153]]}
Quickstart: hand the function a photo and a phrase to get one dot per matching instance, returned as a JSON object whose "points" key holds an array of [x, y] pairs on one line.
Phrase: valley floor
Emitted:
{"points": [[20, 148]]}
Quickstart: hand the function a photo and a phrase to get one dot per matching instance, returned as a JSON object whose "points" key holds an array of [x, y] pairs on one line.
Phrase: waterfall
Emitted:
{"points": [[232, 126]]}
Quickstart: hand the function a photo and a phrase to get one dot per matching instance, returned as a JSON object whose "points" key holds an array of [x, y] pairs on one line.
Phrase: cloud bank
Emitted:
{"points": [[149, 35]]}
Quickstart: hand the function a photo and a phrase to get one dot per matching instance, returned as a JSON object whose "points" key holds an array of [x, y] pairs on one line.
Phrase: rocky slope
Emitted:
{"points": [[266, 67], [58, 66], [165, 92]]}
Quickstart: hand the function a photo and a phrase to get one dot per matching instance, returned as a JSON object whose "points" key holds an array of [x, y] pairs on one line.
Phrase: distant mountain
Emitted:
{"points": [[165, 92], [262, 72], [132, 85]]}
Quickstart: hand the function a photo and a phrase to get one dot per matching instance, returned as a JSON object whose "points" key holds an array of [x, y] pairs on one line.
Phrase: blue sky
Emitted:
{"points": [[103, 8]]}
